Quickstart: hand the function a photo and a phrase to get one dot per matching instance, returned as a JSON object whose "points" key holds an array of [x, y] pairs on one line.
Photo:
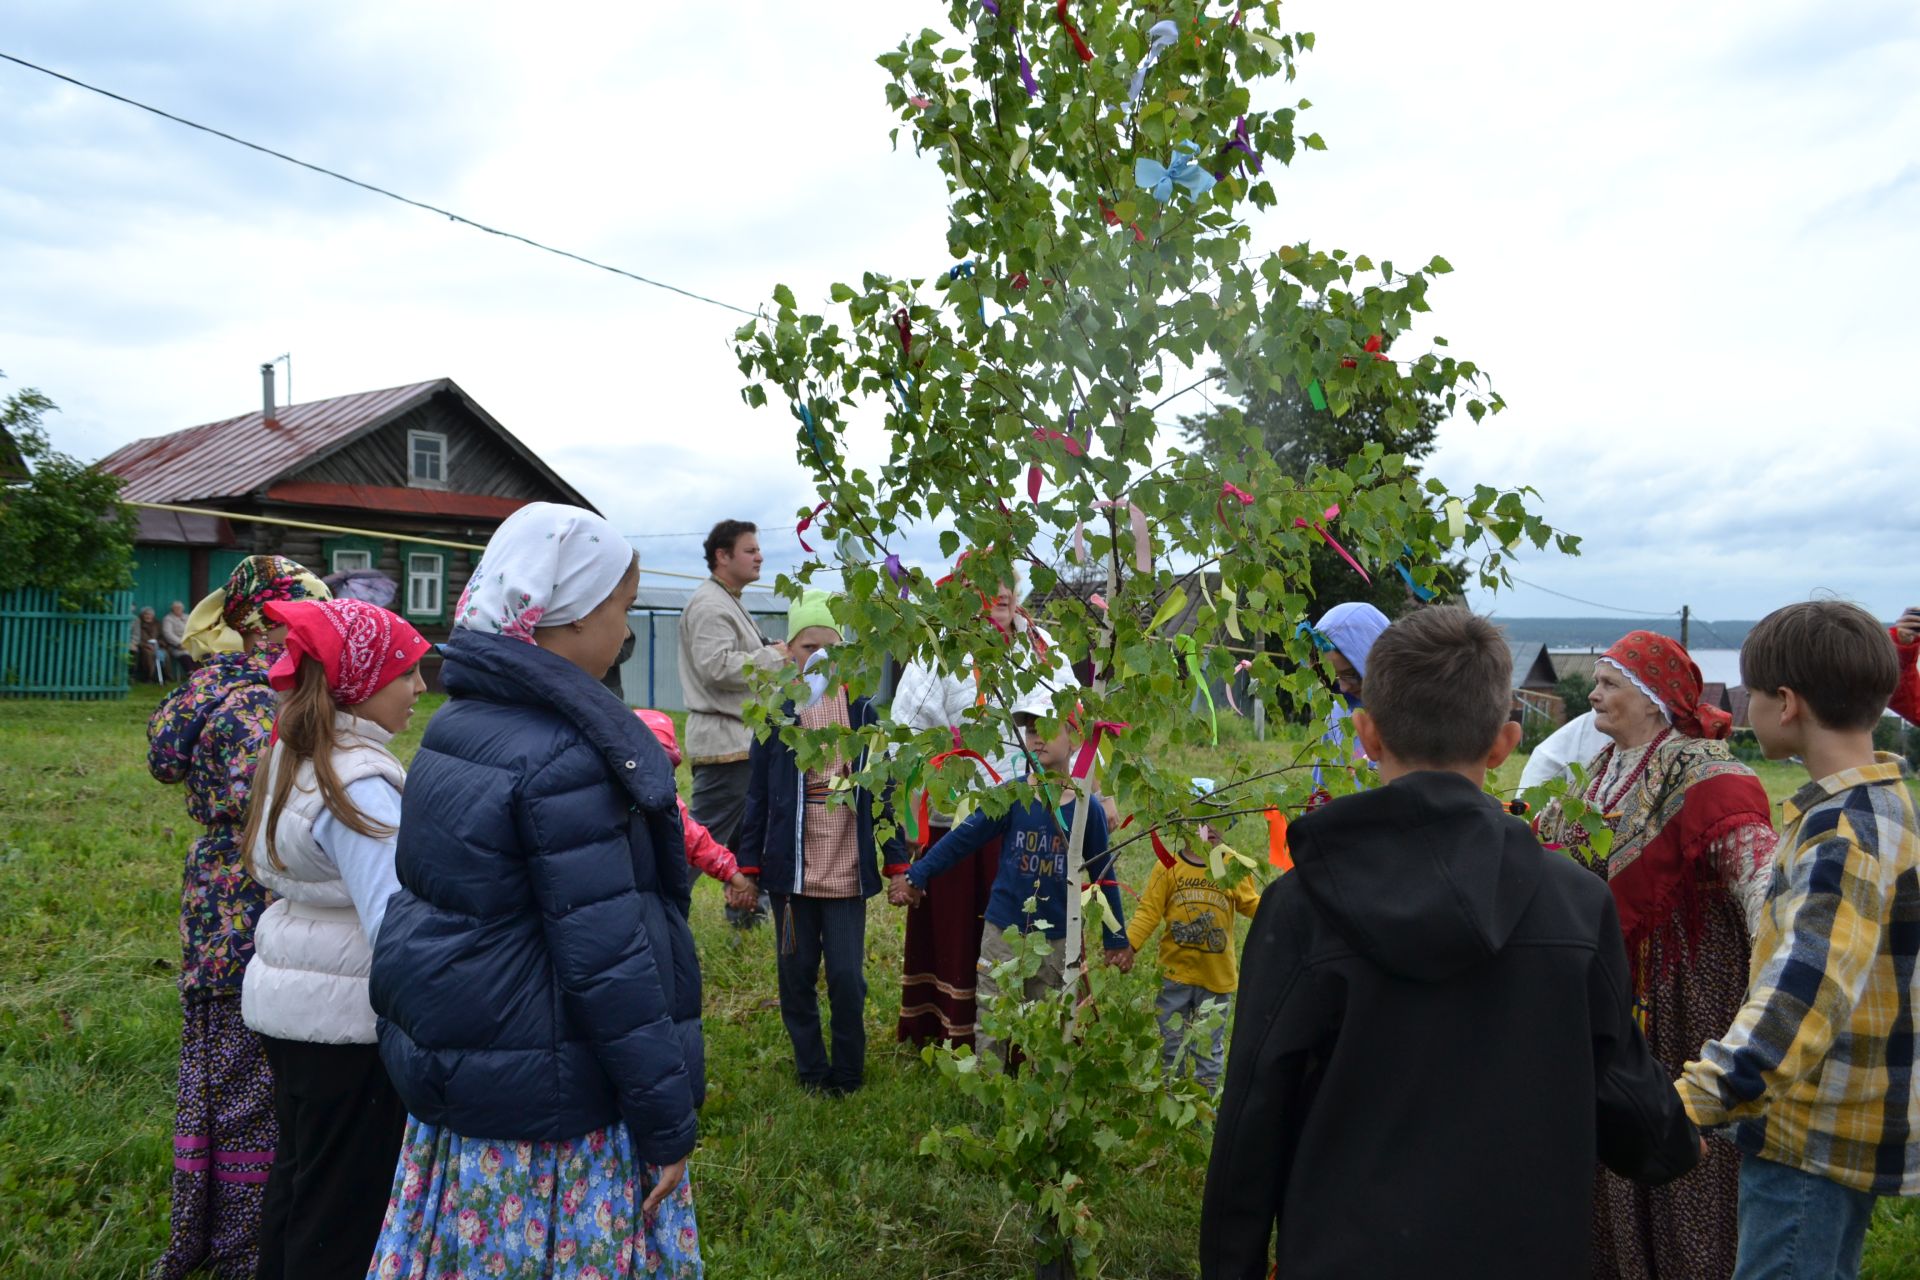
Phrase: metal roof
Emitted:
{"points": [[246, 454], [235, 457]]}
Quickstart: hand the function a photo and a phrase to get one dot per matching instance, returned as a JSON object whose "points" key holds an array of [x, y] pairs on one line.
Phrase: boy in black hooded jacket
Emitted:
{"points": [[1435, 1041]]}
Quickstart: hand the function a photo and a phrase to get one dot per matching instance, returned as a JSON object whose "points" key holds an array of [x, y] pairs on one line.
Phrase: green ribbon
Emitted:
{"points": [[1192, 653], [1317, 395], [914, 834]]}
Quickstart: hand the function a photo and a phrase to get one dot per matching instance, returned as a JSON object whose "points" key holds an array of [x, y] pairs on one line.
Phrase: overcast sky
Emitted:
{"points": [[1686, 243]]}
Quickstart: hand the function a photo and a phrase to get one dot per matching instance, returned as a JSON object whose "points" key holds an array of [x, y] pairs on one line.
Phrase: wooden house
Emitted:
{"points": [[406, 481]]}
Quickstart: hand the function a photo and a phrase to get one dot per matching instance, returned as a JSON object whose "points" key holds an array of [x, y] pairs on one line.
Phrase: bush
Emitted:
{"points": [[1896, 735]]}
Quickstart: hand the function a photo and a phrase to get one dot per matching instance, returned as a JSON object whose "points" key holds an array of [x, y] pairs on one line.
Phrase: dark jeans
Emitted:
{"points": [[807, 930], [719, 802], [340, 1128]]}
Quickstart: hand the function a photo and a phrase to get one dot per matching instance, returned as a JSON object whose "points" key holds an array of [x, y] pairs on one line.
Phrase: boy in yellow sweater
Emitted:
{"points": [[1198, 961]]}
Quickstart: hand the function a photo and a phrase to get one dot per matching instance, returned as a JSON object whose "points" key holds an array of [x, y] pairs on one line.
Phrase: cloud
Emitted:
{"points": [[1684, 241]]}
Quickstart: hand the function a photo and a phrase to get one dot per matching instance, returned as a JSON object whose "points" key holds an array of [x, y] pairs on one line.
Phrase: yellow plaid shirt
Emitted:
{"points": [[1817, 1071]]}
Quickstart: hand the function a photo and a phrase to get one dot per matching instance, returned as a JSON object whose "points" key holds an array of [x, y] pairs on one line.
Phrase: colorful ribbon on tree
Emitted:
{"points": [[806, 522], [1241, 141], [1332, 513], [802, 412], [921, 808], [1142, 541], [1240, 668], [1228, 489], [1079, 45], [1190, 651], [1182, 171], [1113, 220], [1043, 435], [1277, 852], [1091, 747], [896, 572], [904, 322], [1160, 37]]}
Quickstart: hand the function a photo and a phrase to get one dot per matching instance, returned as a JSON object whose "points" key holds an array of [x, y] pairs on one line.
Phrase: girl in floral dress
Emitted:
{"points": [[207, 736], [535, 974]]}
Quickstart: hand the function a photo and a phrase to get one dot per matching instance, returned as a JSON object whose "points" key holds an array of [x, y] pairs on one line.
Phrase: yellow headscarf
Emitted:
{"points": [[219, 622]]}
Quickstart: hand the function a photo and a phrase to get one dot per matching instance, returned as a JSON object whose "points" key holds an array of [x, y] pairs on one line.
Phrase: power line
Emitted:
{"points": [[379, 191], [1595, 604]]}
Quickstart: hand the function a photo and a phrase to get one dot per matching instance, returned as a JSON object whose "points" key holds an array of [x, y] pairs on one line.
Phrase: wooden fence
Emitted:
{"points": [[49, 651]]}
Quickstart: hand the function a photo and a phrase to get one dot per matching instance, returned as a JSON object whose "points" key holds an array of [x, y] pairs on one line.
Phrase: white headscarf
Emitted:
{"points": [[548, 565]]}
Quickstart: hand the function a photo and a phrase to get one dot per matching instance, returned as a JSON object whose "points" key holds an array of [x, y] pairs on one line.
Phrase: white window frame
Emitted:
{"points": [[414, 478], [428, 584], [363, 559]]}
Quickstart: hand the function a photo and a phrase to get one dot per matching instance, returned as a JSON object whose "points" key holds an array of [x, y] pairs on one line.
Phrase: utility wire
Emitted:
{"points": [[379, 191], [1595, 604]]}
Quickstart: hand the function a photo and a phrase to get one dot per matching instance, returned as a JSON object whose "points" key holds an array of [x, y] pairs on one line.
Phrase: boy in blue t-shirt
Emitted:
{"points": [[1033, 865]]}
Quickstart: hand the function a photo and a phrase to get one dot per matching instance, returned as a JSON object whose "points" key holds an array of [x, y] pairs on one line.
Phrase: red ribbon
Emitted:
{"points": [[1079, 45], [1101, 728], [1160, 850], [904, 323], [806, 522], [1373, 346], [933, 767], [1043, 435], [1113, 220], [1332, 513]]}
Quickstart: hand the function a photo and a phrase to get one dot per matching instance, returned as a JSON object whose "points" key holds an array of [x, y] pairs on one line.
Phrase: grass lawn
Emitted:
{"points": [[787, 1185]]}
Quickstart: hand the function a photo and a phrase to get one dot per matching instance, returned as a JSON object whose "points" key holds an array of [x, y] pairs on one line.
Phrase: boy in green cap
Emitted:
{"points": [[820, 862]]}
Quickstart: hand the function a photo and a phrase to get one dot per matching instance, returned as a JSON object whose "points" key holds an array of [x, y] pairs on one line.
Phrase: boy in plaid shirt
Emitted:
{"points": [[1816, 1075]]}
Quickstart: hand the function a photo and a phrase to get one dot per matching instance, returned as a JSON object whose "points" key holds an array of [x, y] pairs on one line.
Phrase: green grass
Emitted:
{"points": [[787, 1185]]}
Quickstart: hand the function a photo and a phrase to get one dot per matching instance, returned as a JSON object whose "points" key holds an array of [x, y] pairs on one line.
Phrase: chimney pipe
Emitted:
{"points": [[266, 391]]}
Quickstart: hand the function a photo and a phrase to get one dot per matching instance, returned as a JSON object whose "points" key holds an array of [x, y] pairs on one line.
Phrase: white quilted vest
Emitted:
{"points": [[307, 980]]}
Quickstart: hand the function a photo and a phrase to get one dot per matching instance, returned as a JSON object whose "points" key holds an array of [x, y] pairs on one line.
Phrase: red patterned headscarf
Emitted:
{"points": [[1666, 673], [363, 647]]}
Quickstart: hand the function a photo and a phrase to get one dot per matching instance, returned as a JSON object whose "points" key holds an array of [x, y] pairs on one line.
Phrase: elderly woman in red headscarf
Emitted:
{"points": [[1690, 864]]}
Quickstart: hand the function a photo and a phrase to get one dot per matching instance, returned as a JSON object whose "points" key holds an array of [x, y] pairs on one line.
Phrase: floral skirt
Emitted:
{"points": [[477, 1208]]}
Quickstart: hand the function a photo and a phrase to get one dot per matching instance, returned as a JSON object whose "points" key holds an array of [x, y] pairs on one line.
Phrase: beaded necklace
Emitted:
{"points": [[1609, 807]]}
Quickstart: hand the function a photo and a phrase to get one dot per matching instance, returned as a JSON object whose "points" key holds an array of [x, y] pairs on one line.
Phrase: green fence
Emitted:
{"points": [[48, 651]]}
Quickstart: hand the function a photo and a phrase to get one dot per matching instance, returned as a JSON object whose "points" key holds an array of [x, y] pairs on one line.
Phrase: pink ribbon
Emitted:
{"points": [[806, 522], [1098, 601], [1142, 544], [1228, 489], [1084, 761], [1244, 665], [1331, 513], [1079, 542]]}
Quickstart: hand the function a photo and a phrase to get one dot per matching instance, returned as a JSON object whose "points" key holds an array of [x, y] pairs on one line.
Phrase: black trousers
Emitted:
{"points": [[340, 1129], [719, 802], [807, 931]]}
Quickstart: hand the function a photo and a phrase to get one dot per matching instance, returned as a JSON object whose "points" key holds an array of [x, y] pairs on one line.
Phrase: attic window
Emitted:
{"points": [[427, 457]]}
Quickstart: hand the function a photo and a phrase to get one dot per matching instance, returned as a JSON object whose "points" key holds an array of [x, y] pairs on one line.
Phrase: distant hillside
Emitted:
{"points": [[1598, 633]]}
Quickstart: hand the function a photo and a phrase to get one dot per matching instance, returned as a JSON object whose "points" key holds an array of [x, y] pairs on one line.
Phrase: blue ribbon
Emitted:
{"points": [[1161, 179], [1420, 593], [805, 415]]}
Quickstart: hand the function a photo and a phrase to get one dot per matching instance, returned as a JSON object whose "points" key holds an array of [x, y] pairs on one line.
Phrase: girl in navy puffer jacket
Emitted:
{"points": [[535, 976]]}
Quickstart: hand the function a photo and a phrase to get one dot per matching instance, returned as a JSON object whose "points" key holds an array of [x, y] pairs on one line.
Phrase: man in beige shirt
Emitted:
{"points": [[719, 641]]}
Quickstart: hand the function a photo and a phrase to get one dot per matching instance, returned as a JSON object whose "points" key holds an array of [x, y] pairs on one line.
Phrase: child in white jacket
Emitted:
{"points": [[320, 835]]}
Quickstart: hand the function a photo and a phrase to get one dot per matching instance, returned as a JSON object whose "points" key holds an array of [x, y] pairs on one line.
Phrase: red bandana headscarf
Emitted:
{"points": [[363, 647], [1665, 672]]}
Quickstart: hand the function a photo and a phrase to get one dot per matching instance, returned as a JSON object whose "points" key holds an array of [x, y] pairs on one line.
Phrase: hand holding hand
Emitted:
{"points": [[900, 891], [1909, 625], [1121, 958], [743, 892]]}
